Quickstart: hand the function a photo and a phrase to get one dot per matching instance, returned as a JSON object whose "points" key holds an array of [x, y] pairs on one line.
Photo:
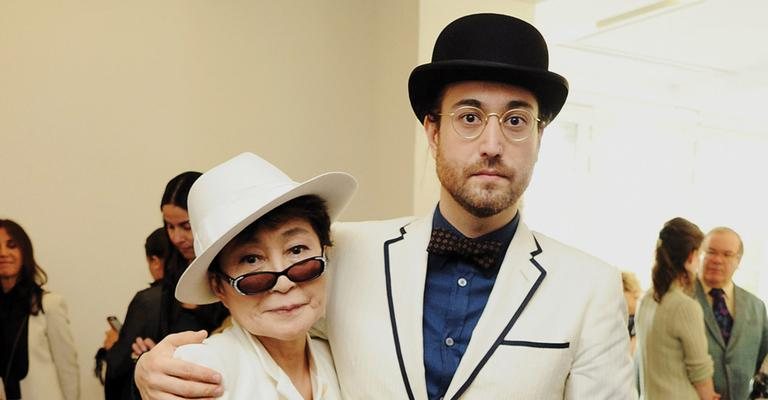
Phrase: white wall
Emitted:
{"points": [[612, 173], [101, 102], [634, 145]]}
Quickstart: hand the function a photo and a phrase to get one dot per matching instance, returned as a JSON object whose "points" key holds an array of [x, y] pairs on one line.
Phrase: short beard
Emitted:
{"points": [[486, 201]]}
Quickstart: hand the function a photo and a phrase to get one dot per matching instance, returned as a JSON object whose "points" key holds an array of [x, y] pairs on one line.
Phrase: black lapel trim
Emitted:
{"points": [[499, 341], [392, 320], [540, 345]]}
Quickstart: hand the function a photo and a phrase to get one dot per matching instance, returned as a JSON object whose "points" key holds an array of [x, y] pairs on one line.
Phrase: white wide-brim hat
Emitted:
{"points": [[232, 195]]}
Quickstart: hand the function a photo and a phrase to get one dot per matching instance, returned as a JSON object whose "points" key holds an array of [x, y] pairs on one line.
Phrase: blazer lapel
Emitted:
{"points": [[405, 264], [519, 277], [739, 316], [709, 315]]}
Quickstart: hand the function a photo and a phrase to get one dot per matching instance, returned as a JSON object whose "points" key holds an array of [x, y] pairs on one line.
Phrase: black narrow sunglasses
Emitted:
{"points": [[261, 281]]}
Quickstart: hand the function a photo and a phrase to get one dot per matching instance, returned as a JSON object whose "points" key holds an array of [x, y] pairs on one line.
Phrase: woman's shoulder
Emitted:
{"points": [[677, 302], [149, 296], [52, 300], [212, 353]]}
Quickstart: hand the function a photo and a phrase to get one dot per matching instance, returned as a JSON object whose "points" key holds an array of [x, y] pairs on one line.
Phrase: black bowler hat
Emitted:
{"points": [[489, 47]]}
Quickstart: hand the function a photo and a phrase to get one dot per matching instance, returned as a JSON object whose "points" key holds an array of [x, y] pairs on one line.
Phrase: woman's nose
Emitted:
{"points": [[283, 284]]}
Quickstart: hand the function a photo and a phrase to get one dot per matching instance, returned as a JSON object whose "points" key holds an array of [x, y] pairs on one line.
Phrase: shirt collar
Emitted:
{"points": [[283, 383], [727, 289]]}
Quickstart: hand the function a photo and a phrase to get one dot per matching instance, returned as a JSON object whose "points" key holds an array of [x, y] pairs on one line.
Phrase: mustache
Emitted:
{"points": [[488, 163]]}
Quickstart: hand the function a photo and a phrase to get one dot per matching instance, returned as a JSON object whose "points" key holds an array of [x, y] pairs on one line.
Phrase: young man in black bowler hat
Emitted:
{"points": [[466, 302]]}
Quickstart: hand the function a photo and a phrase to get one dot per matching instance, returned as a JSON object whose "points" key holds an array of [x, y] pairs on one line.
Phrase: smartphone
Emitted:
{"points": [[114, 323]]}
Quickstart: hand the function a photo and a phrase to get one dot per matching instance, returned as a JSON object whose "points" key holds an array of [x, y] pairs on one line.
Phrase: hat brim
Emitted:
{"points": [[428, 80], [336, 188]]}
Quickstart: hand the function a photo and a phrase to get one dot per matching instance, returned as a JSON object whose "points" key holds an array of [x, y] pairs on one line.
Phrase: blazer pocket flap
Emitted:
{"points": [[540, 345]]}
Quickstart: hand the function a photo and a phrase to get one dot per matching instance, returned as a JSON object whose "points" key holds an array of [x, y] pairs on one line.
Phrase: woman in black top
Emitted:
{"points": [[154, 312]]}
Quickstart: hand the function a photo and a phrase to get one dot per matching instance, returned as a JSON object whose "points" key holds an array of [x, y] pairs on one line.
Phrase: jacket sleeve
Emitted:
{"points": [[688, 327], [763, 352], [119, 362], [62, 345], [602, 366]]}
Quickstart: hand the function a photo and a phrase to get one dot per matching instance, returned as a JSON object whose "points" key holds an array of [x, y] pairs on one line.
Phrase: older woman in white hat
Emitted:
{"points": [[260, 238]]}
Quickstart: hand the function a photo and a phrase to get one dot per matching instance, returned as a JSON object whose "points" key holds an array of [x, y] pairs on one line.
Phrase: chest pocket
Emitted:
{"points": [[531, 370]]}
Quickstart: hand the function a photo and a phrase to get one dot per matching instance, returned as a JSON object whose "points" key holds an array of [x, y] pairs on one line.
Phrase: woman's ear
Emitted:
{"points": [[693, 257], [216, 286]]}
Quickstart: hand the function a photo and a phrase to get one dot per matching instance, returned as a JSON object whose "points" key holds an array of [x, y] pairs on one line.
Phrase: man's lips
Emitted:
{"points": [[489, 173]]}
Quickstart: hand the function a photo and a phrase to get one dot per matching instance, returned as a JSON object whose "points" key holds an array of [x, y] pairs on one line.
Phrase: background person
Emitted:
{"points": [[737, 326], [173, 316], [676, 364], [38, 360], [632, 293], [137, 323]]}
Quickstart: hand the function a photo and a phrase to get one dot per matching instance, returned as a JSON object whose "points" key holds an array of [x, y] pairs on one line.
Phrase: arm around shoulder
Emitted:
{"points": [[159, 375]]}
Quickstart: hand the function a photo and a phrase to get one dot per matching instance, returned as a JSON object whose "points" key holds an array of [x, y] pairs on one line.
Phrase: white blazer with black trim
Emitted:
{"points": [[554, 326]]}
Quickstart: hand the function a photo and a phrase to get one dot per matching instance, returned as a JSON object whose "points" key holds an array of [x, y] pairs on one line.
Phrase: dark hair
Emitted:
{"points": [[31, 277], [176, 193], [310, 208], [177, 189], [157, 244], [677, 240]]}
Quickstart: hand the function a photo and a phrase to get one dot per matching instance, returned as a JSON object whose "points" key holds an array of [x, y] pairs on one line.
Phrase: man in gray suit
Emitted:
{"points": [[736, 324]]}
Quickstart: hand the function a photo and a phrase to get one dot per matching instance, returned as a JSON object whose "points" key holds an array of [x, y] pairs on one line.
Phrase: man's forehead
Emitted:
{"points": [[723, 239], [488, 90]]}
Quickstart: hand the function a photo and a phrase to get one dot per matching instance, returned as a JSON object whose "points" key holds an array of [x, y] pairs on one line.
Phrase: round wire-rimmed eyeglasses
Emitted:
{"points": [[469, 122]]}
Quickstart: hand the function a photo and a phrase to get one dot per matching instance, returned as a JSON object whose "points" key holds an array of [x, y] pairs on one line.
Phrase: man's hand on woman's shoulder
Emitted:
{"points": [[159, 376]]}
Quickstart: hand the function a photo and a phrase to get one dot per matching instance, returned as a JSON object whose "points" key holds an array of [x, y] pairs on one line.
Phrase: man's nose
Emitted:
{"points": [[492, 137]]}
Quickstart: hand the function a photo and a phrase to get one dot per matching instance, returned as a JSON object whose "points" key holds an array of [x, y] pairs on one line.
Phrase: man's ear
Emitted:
{"points": [[539, 135], [433, 134]]}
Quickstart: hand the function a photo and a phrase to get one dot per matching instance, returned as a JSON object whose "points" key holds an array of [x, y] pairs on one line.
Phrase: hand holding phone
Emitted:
{"points": [[114, 323]]}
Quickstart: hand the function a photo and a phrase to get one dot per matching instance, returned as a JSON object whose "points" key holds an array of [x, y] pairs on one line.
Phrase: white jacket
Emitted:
{"points": [[554, 326], [249, 372], [53, 370]]}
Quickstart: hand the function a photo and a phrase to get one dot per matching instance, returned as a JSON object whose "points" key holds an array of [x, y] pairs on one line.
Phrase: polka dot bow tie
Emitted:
{"points": [[483, 253]]}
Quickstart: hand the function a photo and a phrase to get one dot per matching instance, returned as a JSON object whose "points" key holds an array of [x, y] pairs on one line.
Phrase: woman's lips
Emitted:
{"points": [[287, 309]]}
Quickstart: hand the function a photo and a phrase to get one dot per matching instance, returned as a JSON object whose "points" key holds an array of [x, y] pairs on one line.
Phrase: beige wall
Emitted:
{"points": [[101, 102]]}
